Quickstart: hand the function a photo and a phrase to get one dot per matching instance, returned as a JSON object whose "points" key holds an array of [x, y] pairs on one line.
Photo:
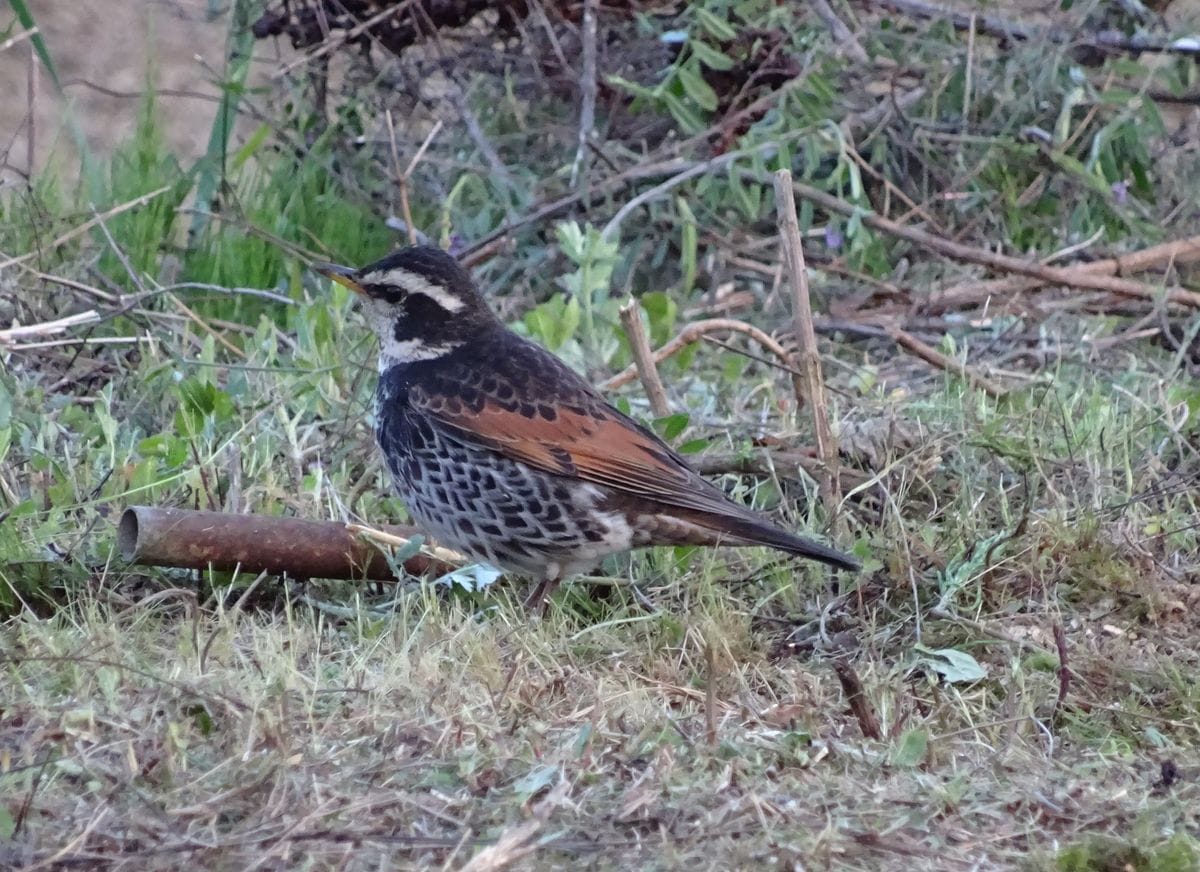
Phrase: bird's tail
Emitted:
{"points": [[755, 531]]}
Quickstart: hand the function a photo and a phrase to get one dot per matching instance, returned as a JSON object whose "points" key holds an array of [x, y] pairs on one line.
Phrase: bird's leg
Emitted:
{"points": [[540, 598]]}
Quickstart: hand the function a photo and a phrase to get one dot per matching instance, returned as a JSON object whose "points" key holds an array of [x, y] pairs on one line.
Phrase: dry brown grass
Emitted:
{"points": [[156, 735]]}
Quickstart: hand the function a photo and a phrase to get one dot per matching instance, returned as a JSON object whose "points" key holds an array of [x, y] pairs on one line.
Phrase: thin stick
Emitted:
{"points": [[935, 358], [840, 31], [1074, 277], [643, 358], [49, 328], [1064, 667], [345, 36], [391, 129], [192, 316], [20, 37], [692, 333], [1163, 255], [88, 225], [587, 89], [710, 696], [405, 209], [812, 386], [31, 107], [857, 699]]}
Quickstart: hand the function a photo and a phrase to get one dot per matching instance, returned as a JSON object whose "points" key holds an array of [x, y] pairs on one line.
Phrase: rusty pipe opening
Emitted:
{"points": [[127, 534]]}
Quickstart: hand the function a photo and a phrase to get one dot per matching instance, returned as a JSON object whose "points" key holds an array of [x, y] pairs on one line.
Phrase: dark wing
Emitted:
{"points": [[574, 433], [599, 446]]}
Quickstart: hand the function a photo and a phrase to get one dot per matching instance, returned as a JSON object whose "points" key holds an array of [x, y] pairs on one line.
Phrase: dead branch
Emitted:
{"points": [[643, 358], [993, 25], [587, 89], [23, 35], [48, 328], [1164, 255], [812, 385], [935, 358], [857, 699], [839, 31], [87, 225], [1064, 667], [1073, 277]]}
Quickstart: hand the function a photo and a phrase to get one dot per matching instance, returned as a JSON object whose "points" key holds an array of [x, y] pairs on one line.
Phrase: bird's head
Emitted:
{"points": [[420, 302]]}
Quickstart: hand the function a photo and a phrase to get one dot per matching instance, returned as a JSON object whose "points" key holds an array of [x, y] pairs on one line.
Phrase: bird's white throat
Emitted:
{"points": [[382, 317]]}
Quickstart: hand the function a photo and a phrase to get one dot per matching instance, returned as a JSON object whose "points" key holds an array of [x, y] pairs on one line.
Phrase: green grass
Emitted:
{"points": [[154, 717]]}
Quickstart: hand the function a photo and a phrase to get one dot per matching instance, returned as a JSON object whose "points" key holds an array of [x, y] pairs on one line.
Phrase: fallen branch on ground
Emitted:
{"points": [[1164, 255], [1074, 277], [935, 358], [860, 707], [48, 328], [993, 25]]}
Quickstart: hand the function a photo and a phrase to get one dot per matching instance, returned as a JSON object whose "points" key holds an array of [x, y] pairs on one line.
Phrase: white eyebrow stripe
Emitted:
{"points": [[416, 284]]}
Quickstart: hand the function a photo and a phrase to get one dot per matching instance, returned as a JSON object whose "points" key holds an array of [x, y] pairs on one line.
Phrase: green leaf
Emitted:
{"points": [[554, 321], [910, 749], [251, 147], [952, 665], [672, 425], [537, 780], [633, 87], [718, 27], [7, 825], [709, 56], [683, 114], [661, 311], [697, 89]]}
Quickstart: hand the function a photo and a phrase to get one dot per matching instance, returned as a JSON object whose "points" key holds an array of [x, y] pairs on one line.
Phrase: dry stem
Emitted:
{"points": [[643, 357], [811, 386], [1075, 277], [692, 333], [935, 358]]}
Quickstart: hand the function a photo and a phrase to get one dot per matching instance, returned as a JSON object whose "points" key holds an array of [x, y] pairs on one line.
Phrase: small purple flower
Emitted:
{"points": [[833, 237], [1120, 191], [457, 244]]}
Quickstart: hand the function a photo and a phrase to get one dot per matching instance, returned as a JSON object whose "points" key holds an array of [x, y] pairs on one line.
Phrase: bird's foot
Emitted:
{"points": [[539, 600]]}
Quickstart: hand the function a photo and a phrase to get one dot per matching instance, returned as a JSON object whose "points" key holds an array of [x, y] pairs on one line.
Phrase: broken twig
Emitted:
{"points": [[860, 707], [692, 333], [935, 358], [1074, 277], [643, 358]]}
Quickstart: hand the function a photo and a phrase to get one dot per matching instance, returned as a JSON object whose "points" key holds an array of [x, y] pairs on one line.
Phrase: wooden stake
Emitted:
{"points": [[811, 387]]}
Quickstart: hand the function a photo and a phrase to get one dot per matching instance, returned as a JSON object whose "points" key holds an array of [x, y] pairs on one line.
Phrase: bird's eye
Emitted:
{"points": [[387, 293]]}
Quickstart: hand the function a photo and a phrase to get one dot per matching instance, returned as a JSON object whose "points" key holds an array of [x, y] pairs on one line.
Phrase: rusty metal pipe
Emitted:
{"points": [[188, 539]]}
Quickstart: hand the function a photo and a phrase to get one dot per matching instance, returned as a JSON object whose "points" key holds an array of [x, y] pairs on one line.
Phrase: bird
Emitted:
{"points": [[502, 452]]}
